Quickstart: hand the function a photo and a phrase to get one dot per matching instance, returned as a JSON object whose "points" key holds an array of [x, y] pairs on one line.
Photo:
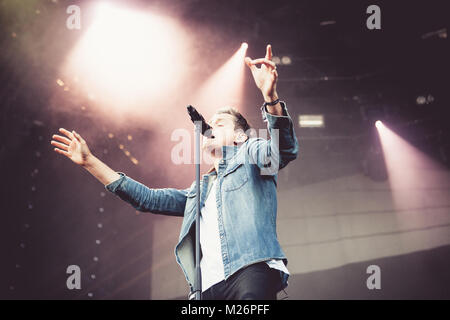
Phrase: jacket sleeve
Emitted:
{"points": [[275, 153], [166, 201]]}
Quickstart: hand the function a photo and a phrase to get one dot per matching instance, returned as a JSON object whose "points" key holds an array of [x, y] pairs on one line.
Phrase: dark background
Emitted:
{"points": [[51, 210]]}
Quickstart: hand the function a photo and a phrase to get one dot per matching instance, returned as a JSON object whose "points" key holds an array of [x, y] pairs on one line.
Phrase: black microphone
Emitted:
{"points": [[195, 116]]}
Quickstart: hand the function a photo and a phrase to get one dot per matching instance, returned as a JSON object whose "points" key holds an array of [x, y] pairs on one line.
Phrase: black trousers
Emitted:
{"points": [[255, 282]]}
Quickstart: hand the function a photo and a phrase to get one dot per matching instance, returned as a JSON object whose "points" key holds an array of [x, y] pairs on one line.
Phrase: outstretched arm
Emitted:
{"points": [[166, 201]]}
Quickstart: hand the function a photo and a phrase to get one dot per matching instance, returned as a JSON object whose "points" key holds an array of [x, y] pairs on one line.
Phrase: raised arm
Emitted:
{"points": [[282, 147], [275, 153]]}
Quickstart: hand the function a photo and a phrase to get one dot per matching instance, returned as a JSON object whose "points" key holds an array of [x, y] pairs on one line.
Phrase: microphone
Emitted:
{"points": [[195, 116]]}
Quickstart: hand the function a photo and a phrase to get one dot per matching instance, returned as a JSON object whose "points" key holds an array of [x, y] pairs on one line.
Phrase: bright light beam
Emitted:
{"points": [[225, 86], [127, 58], [411, 173]]}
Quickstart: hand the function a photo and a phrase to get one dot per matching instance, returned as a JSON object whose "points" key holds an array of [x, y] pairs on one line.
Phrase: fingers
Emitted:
{"points": [[59, 145], [78, 136], [248, 62], [264, 61], [61, 139], [275, 73], [269, 52], [62, 152], [67, 133]]}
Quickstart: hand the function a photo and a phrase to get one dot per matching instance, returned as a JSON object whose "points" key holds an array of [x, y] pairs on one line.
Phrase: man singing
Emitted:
{"points": [[241, 257]]}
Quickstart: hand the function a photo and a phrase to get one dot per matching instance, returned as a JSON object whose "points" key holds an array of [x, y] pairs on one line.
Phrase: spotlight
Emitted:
{"points": [[286, 60], [276, 60], [378, 124], [421, 100], [244, 45], [122, 46], [311, 121]]}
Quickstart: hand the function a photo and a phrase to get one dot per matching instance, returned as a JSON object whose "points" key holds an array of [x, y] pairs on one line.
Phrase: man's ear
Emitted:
{"points": [[239, 137]]}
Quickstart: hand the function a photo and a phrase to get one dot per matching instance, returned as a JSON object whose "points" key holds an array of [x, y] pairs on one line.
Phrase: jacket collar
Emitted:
{"points": [[227, 153]]}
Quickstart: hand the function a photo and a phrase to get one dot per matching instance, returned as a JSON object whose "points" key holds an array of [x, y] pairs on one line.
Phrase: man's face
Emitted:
{"points": [[222, 133]]}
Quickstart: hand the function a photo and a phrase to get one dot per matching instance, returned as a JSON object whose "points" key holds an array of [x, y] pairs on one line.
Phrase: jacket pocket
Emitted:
{"points": [[191, 194], [190, 203], [235, 177]]}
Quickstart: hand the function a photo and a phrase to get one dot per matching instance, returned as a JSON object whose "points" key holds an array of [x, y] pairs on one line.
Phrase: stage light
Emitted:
{"points": [[410, 170], [420, 100], [441, 33], [225, 86], [127, 58], [328, 22], [286, 60], [311, 121], [378, 124]]}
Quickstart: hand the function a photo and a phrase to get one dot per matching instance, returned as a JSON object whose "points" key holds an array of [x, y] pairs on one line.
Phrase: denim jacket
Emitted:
{"points": [[245, 195]]}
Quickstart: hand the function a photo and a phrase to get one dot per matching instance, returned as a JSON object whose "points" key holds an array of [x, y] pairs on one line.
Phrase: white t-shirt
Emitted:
{"points": [[211, 263]]}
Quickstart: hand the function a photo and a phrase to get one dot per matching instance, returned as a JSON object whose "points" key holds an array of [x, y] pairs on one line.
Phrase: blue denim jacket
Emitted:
{"points": [[246, 200]]}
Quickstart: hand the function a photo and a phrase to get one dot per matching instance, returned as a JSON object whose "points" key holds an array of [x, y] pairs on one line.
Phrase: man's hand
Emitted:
{"points": [[265, 76], [72, 146]]}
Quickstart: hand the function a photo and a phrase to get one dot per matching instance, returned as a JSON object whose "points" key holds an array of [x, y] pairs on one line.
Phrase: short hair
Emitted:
{"points": [[240, 122]]}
